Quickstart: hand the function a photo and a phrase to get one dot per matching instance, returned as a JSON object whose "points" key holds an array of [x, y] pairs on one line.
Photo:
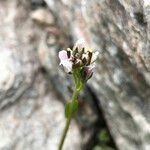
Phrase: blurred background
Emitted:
{"points": [[114, 111]]}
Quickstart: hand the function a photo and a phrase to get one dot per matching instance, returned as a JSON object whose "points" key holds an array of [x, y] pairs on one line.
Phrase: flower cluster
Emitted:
{"points": [[80, 57]]}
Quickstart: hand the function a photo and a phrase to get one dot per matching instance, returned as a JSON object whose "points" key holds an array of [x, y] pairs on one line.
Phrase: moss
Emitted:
{"points": [[103, 141]]}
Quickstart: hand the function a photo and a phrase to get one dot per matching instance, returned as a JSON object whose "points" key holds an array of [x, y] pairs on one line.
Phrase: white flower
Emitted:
{"points": [[79, 57], [80, 44], [94, 56], [65, 61]]}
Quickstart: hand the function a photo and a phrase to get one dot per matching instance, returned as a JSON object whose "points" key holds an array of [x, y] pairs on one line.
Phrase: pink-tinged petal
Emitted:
{"points": [[80, 44], [94, 56], [63, 55], [67, 64], [88, 71]]}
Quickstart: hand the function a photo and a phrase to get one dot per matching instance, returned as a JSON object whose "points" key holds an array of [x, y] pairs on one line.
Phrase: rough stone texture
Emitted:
{"points": [[36, 121], [31, 116], [120, 87], [120, 31], [17, 61]]}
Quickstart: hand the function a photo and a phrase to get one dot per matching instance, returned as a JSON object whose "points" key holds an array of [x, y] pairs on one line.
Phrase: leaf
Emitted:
{"points": [[70, 108], [103, 136]]}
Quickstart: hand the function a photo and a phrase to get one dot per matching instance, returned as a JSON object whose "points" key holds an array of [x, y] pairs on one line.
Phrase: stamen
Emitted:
{"points": [[84, 61], [68, 54], [83, 50], [81, 53], [75, 51], [89, 57]]}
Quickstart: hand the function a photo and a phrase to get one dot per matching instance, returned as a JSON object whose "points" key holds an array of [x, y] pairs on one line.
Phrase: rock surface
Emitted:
{"points": [[31, 116], [120, 31], [31, 83], [36, 121]]}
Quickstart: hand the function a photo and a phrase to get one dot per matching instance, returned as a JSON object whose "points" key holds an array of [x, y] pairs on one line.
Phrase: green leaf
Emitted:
{"points": [[99, 147], [68, 109], [103, 136]]}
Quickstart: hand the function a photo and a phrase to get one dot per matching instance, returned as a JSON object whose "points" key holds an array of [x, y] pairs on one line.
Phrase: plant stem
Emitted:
{"points": [[68, 120]]}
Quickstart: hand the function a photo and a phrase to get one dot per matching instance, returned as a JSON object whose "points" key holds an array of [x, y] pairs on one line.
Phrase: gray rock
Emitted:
{"points": [[120, 31], [43, 16], [31, 115], [36, 121]]}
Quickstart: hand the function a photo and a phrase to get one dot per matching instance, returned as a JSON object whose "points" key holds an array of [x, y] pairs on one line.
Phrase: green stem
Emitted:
{"points": [[68, 120]]}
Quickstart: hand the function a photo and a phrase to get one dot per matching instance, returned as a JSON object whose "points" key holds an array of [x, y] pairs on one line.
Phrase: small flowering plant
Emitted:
{"points": [[80, 62]]}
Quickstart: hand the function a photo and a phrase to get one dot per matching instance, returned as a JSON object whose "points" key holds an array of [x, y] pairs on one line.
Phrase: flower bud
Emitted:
{"points": [[87, 72]]}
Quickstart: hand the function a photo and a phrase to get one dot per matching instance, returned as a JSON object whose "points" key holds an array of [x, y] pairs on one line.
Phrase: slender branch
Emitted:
{"points": [[82, 70], [64, 133], [68, 120]]}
